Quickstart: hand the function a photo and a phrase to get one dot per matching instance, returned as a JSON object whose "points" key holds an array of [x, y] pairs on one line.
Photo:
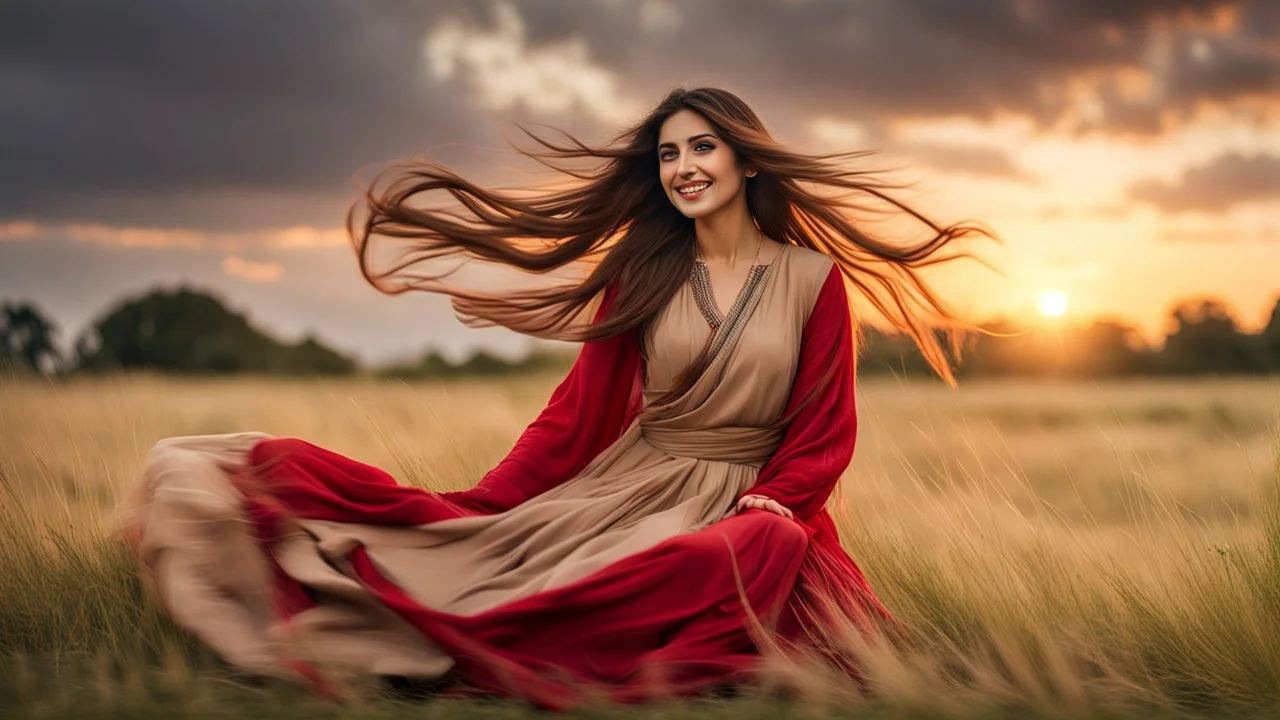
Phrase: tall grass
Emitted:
{"points": [[1054, 549]]}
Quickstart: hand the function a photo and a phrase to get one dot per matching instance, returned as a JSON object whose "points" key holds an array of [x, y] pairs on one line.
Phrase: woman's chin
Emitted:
{"points": [[695, 211]]}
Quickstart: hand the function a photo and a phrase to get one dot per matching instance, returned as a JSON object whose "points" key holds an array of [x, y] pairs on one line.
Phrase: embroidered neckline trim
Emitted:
{"points": [[704, 295]]}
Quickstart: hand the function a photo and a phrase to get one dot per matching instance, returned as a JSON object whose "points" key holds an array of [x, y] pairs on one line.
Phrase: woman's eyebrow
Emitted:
{"points": [[691, 139]]}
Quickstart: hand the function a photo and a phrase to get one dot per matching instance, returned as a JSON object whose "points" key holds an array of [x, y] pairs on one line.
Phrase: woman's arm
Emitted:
{"points": [[818, 444], [588, 411]]}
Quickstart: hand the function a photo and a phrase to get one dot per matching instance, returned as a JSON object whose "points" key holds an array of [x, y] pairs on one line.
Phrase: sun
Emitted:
{"points": [[1052, 303]]}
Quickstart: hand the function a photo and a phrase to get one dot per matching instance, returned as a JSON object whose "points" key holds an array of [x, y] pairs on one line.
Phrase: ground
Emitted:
{"points": [[1065, 548]]}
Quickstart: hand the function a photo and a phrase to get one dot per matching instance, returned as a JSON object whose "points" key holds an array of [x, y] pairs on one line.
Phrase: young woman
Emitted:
{"points": [[661, 520]]}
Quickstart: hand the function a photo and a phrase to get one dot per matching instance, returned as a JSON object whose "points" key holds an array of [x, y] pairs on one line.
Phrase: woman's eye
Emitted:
{"points": [[670, 154]]}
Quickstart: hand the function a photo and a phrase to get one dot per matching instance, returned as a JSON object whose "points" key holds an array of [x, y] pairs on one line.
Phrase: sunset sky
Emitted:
{"points": [[1127, 151]]}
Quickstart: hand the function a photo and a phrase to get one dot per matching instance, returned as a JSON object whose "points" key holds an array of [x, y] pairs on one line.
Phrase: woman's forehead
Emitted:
{"points": [[683, 125]]}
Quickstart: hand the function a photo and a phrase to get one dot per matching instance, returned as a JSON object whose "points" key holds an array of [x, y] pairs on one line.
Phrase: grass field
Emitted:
{"points": [[1058, 549]]}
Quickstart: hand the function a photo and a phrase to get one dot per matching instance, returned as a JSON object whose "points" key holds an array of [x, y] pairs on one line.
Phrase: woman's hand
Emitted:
{"points": [[760, 502]]}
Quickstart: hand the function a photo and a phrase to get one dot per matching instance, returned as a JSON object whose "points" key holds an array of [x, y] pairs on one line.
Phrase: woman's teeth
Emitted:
{"points": [[694, 189]]}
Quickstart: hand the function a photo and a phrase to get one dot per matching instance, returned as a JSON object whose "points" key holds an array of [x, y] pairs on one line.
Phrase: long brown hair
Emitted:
{"points": [[617, 219]]}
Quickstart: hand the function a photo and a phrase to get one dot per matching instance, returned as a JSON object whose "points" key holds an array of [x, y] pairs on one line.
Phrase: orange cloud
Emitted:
{"points": [[292, 238], [236, 266], [136, 237], [305, 237], [20, 230]]}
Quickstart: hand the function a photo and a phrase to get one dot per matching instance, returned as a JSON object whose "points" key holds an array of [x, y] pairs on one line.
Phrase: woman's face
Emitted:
{"points": [[693, 158]]}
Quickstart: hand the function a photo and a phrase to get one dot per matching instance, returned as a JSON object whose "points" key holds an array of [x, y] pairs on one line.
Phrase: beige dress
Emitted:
{"points": [[673, 473]]}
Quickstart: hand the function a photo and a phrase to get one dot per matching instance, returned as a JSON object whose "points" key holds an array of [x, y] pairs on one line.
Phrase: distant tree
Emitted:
{"points": [[1006, 348], [433, 365], [1206, 338], [1104, 348], [1270, 339], [430, 364], [26, 339], [1002, 349], [880, 352], [191, 331], [312, 356]]}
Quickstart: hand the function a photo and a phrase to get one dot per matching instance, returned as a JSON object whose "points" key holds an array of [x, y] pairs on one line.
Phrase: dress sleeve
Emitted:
{"points": [[588, 411], [818, 444]]}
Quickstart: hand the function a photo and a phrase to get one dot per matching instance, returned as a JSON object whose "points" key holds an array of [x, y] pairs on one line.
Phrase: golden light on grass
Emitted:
{"points": [[1052, 303], [1057, 549]]}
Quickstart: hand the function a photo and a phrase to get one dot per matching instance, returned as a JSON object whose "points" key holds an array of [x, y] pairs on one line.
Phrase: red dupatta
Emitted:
{"points": [[601, 395], [589, 410]]}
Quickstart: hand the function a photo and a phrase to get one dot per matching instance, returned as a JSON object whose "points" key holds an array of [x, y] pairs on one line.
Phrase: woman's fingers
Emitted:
{"points": [[779, 508], [763, 503]]}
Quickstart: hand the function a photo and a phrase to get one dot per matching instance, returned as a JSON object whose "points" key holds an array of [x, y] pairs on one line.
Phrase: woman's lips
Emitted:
{"points": [[694, 196]]}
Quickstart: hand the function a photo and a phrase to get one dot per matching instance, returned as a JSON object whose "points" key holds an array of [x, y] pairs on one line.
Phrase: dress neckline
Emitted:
{"points": [[704, 295]]}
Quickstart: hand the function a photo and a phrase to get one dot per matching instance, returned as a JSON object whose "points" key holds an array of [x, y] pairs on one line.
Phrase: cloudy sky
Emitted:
{"points": [[1128, 152]]}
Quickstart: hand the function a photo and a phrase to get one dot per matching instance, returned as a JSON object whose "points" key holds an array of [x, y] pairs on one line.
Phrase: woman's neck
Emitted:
{"points": [[726, 237]]}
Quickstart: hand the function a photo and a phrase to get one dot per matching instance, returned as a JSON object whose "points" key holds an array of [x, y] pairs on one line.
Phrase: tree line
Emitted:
{"points": [[1203, 338], [190, 331]]}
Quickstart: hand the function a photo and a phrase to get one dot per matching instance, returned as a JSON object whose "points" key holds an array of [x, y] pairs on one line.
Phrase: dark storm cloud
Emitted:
{"points": [[1240, 69], [868, 59], [1224, 70], [1216, 186], [160, 112], [1130, 11], [247, 113], [892, 58]]}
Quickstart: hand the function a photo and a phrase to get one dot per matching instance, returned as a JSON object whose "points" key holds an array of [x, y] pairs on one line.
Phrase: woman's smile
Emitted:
{"points": [[693, 191]]}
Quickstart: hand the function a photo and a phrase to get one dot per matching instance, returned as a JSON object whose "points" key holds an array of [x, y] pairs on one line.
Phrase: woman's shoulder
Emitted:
{"points": [[807, 272], [810, 262]]}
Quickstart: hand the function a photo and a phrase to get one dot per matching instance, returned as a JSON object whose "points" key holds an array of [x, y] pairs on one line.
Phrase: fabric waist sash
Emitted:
{"points": [[742, 445]]}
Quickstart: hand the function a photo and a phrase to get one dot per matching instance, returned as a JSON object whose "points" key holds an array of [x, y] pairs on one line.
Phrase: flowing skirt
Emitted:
{"points": [[626, 582]]}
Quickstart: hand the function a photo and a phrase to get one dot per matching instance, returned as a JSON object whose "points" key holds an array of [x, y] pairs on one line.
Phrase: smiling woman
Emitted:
{"points": [[623, 224], [662, 523]]}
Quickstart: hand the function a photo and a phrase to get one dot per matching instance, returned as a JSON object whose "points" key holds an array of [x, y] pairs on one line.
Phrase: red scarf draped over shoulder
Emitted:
{"points": [[601, 395]]}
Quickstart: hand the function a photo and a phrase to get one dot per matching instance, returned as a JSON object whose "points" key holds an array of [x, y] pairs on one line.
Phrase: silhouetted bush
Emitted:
{"points": [[193, 332]]}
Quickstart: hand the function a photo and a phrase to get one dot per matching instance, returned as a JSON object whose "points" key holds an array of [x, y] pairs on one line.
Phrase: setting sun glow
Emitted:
{"points": [[1052, 303]]}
